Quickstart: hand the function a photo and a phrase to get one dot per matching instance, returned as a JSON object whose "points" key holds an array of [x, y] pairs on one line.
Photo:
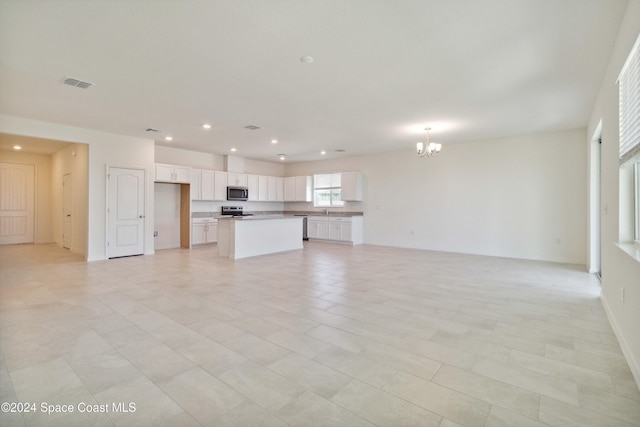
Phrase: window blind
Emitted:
{"points": [[629, 92]]}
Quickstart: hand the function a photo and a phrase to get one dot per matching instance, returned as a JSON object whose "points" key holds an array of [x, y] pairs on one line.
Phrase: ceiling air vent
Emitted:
{"points": [[252, 127], [151, 130], [77, 83]]}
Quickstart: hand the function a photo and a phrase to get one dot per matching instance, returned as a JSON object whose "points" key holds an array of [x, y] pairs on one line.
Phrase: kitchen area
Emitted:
{"points": [[246, 214]]}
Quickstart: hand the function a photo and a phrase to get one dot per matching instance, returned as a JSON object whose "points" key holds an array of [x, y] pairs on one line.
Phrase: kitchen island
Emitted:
{"points": [[247, 236]]}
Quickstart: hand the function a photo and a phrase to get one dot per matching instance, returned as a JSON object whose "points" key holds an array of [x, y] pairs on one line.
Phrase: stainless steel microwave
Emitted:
{"points": [[237, 193]]}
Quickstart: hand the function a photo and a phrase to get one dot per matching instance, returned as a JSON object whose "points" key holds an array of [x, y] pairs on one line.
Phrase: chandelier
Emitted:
{"points": [[427, 148]]}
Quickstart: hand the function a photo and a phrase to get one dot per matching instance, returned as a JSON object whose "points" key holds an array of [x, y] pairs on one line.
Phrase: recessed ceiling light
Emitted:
{"points": [[274, 141], [306, 59], [206, 126], [234, 149], [168, 138], [17, 147], [282, 156], [323, 152]]}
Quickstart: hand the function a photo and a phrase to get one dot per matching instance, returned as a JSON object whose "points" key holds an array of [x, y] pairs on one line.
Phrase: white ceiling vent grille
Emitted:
{"points": [[252, 127], [77, 83]]}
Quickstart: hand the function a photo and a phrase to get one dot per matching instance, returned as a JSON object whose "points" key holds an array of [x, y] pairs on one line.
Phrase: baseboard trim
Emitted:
{"points": [[634, 364]]}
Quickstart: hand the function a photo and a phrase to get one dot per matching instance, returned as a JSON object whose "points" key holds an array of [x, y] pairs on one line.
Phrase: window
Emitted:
{"points": [[327, 190], [629, 113]]}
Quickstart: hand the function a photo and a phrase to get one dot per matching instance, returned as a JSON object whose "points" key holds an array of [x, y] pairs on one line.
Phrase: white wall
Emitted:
{"points": [[618, 269], [43, 205], [520, 197], [199, 160], [195, 159], [105, 149]]}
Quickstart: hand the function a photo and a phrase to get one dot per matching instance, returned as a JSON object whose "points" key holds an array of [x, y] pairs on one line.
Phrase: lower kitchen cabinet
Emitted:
{"points": [[203, 231], [335, 229]]}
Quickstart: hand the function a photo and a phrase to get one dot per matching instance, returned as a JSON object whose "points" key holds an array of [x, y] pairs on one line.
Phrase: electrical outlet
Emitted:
{"points": [[622, 294]]}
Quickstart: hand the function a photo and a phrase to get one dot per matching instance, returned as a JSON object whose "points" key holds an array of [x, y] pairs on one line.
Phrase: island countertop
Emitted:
{"points": [[247, 236]]}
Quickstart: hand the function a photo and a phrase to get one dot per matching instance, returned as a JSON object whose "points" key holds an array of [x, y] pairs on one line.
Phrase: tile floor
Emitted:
{"points": [[328, 336]]}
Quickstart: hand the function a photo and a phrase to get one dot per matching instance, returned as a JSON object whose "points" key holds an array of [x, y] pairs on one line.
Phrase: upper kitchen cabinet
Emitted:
{"points": [[275, 189], [328, 180], [298, 189], [235, 179], [196, 184], [351, 184], [252, 186], [203, 185], [220, 187], [279, 189], [173, 173]]}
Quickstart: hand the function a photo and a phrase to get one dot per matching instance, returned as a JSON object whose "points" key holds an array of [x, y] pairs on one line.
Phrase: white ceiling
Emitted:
{"points": [[383, 70]]}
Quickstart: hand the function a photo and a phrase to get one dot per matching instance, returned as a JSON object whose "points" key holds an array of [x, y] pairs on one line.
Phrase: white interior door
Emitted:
{"points": [[126, 211], [17, 203], [66, 211]]}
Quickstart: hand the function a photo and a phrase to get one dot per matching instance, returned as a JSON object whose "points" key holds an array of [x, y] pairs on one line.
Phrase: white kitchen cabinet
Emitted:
{"points": [[220, 185], [207, 184], [279, 189], [252, 185], [263, 188], [327, 180], [204, 231], [235, 179], [271, 189], [290, 189], [298, 189], [173, 173], [196, 184], [335, 229], [317, 228], [351, 184], [202, 184]]}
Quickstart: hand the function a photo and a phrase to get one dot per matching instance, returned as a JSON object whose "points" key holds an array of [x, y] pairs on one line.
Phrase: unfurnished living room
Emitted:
{"points": [[320, 213]]}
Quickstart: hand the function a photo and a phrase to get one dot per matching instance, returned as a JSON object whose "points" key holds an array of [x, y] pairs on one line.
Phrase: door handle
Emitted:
{"points": [[141, 216], [68, 216]]}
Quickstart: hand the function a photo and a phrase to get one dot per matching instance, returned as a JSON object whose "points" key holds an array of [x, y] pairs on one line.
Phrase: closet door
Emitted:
{"points": [[17, 203]]}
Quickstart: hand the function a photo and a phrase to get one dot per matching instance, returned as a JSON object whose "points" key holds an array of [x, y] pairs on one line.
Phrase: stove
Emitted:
{"points": [[233, 211]]}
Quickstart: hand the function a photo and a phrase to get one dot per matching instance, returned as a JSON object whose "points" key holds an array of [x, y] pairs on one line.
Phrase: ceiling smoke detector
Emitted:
{"points": [[77, 83], [252, 127]]}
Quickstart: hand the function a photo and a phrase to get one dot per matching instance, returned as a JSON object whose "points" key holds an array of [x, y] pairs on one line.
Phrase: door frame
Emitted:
{"points": [[64, 176], [108, 168], [595, 203]]}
